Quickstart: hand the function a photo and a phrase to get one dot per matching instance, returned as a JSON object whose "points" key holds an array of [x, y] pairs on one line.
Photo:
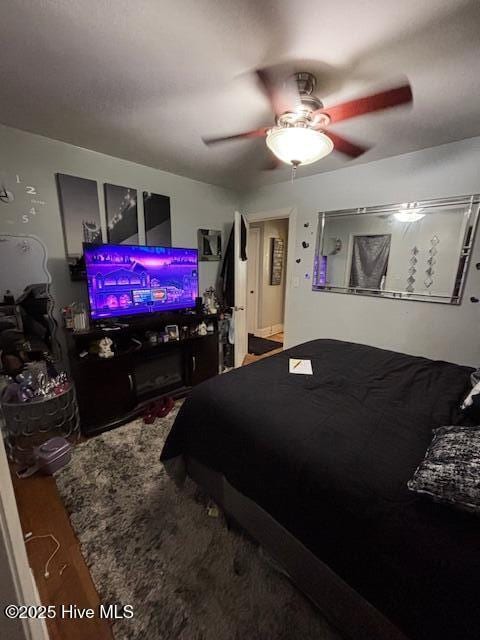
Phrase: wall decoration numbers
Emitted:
{"points": [[20, 201]]}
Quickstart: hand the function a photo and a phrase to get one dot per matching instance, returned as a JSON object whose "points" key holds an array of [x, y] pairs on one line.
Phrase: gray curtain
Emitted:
{"points": [[369, 261]]}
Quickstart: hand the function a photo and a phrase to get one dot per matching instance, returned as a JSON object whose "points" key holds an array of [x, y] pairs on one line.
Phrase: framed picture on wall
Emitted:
{"points": [[80, 214], [158, 230], [209, 244], [276, 267], [121, 212]]}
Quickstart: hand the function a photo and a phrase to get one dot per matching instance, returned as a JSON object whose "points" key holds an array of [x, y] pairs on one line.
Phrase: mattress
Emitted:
{"points": [[328, 456]]}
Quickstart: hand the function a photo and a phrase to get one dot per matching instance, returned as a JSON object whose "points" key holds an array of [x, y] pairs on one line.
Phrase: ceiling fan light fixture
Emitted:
{"points": [[298, 145]]}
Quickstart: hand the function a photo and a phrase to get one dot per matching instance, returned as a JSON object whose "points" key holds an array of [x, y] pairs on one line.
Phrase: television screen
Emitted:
{"points": [[131, 279]]}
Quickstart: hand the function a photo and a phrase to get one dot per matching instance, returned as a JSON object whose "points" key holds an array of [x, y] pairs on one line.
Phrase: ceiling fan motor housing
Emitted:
{"points": [[306, 82], [302, 116]]}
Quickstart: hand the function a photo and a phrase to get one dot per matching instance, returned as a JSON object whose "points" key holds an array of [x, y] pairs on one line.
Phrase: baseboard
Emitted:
{"points": [[269, 331]]}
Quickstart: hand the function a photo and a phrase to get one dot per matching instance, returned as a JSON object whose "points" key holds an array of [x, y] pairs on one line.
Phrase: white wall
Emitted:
{"points": [[271, 298], [434, 330], [37, 160], [420, 328]]}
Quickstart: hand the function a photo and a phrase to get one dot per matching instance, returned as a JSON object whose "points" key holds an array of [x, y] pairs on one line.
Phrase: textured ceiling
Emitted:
{"points": [[145, 79]]}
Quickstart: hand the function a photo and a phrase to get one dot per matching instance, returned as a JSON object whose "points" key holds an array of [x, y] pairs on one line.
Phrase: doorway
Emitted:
{"points": [[242, 224], [266, 284]]}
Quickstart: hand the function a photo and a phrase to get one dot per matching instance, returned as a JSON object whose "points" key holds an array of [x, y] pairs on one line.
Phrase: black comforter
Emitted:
{"points": [[329, 456]]}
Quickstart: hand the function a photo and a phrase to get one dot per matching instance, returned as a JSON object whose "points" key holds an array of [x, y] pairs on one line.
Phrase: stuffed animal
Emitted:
{"points": [[105, 348]]}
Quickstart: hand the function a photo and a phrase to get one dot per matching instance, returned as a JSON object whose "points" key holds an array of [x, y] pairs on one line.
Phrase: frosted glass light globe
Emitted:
{"points": [[298, 145]]}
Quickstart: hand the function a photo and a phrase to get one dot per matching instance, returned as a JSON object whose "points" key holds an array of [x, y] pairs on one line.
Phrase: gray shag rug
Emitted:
{"points": [[152, 545]]}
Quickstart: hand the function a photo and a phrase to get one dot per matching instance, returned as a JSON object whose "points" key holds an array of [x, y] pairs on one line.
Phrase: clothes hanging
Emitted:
{"points": [[226, 279]]}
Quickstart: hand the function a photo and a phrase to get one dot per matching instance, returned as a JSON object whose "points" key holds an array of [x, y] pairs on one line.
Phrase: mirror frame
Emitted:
{"points": [[53, 308], [471, 202]]}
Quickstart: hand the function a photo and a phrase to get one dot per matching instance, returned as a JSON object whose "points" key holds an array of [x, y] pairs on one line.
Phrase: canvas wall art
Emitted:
{"points": [[80, 218], [158, 231], [121, 212]]}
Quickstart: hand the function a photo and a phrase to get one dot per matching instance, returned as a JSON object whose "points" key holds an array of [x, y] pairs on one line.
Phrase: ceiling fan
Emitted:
{"points": [[301, 134]]}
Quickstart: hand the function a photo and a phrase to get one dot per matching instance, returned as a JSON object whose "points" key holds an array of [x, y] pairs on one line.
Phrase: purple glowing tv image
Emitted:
{"points": [[131, 279]]}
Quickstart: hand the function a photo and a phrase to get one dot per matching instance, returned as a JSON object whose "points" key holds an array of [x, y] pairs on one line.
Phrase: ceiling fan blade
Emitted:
{"points": [[255, 133], [345, 146], [368, 104], [282, 93]]}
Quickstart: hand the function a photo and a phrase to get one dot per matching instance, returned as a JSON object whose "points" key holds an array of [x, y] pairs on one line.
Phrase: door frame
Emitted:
{"points": [[289, 213], [255, 231], [240, 288]]}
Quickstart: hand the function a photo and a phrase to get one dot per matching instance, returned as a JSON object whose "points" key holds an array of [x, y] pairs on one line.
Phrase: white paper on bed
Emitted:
{"points": [[300, 366]]}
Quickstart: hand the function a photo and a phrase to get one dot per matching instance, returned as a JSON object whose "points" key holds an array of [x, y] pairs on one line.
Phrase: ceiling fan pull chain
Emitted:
{"points": [[294, 169]]}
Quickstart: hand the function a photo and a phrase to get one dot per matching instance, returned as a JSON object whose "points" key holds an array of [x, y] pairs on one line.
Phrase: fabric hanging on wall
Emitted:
{"points": [[226, 279], [243, 240], [369, 261]]}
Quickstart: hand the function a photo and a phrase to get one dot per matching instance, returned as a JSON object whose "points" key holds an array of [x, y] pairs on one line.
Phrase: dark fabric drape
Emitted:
{"points": [[243, 240], [226, 279], [369, 261]]}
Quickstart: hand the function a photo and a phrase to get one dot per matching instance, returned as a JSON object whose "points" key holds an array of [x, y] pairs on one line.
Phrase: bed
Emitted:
{"points": [[315, 467]]}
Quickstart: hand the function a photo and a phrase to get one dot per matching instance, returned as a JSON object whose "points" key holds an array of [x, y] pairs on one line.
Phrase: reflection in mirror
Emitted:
{"points": [[410, 251], [26, 306]]}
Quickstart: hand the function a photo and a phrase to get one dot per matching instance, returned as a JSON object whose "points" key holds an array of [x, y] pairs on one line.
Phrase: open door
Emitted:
{"points": [[240, 317]]}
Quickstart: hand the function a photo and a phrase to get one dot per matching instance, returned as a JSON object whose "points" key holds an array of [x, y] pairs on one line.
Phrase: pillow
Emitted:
{"points": [[471, 404], [475, 377], [450, 470], [469, 399]]}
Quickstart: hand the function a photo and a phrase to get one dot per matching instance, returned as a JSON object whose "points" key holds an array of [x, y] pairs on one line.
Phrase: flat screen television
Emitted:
{"points": [[125, 280]]}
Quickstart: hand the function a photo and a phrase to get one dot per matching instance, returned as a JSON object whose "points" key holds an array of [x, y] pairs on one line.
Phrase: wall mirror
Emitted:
{"points": [[28, 318], [409, 251]]}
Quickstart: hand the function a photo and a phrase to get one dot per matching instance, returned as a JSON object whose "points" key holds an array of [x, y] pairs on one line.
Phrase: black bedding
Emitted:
{"points": [[329, 456]]}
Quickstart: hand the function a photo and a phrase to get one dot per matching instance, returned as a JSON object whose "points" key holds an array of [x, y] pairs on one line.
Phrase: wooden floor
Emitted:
{"points": [[41, 512]]}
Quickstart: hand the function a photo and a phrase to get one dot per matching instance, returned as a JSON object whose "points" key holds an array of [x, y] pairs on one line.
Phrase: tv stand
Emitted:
{"points": [[113, 391]]}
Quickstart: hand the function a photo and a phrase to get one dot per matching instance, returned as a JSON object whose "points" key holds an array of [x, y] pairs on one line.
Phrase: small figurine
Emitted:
{"points": [[210, 303], [202, 329], [105, 348]]}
